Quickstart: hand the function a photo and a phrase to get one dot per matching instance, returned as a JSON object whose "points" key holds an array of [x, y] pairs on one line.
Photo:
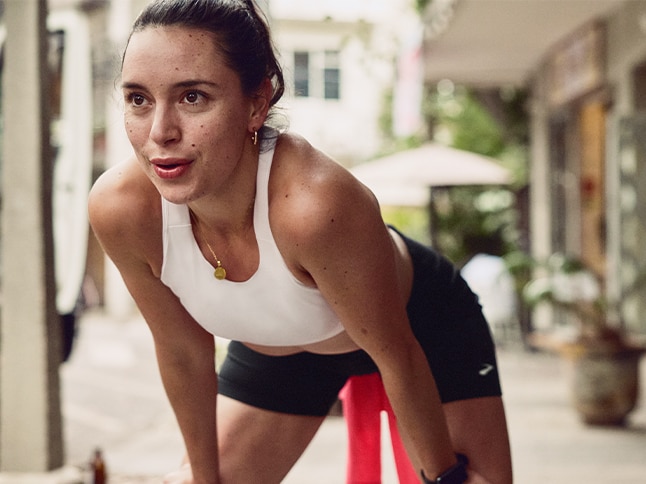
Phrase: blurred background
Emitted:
{"points": [[503, 132], [554, 92]]}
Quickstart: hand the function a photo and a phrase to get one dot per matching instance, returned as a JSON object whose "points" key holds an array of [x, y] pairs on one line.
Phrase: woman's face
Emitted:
{"points": [[185, 113]]}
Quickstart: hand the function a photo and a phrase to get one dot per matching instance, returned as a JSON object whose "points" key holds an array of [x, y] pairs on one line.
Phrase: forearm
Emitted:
{"points": [[413, 395], [191, 388]]}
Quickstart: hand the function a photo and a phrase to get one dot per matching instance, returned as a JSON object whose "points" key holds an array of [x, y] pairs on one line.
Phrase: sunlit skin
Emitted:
{"points": [[190, 125], [187, 117]]}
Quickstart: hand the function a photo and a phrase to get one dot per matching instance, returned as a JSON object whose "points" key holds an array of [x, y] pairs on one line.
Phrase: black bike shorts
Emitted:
{"points": [[445, 317]]}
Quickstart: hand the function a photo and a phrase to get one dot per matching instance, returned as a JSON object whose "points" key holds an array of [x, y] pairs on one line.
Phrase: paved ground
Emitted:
{"points": [[113, 399]]}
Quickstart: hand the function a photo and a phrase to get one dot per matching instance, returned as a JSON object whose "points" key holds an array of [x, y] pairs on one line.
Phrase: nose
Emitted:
{"points": [[165, 128]]}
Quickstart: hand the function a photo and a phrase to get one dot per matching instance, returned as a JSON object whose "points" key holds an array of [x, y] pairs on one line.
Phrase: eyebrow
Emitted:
{"points": [[182, 84]]}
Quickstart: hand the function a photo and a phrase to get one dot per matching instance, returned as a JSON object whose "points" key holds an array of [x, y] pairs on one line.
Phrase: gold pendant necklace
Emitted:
{"points": [[220, 272]]}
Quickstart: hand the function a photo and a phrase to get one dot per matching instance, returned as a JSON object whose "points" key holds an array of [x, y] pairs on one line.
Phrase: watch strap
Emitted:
{"points": [[456, 474]]}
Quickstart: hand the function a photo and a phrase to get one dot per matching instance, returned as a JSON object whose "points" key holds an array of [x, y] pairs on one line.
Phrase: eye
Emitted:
{"points": [[193, 97], [136, 99]]}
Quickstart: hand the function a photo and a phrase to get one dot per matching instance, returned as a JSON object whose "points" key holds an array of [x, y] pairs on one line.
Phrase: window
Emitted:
{"points": [[331, 75], [302, 74], [317, 74]]}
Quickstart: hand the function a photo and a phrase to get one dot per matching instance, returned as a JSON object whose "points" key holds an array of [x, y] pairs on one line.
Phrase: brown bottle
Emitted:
{"points": [[97, 467]]}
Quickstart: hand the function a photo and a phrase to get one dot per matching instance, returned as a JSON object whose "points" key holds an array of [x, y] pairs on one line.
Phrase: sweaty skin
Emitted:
{"points": [[190, 125]]}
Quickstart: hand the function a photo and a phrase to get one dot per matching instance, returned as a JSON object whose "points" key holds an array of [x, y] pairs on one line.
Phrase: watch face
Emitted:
{"points": [[455, 475]]}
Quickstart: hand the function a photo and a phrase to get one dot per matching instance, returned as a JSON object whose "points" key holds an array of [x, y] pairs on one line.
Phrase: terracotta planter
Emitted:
{"points": [[604, 385], [603, 377]]}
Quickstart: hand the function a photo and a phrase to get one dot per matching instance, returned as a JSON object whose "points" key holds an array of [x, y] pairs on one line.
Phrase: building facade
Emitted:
{"points": [[584, 64], [339, 60]]}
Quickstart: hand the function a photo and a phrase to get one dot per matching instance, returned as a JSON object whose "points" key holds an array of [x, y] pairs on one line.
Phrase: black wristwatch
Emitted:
{"points": [[457, 474]]}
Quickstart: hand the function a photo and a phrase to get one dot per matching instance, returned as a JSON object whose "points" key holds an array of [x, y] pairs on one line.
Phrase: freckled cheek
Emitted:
{"points": [[203, 134], [137, 131]]}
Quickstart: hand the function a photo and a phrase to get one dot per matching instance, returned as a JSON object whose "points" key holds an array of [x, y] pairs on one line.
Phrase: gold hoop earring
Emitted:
{"points": [[254, 138]]}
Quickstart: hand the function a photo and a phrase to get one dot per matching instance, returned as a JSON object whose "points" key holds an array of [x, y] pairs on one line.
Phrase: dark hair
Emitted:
{"points": [[241, 30]]}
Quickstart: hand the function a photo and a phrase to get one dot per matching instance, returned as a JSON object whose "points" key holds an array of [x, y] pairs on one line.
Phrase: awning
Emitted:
{"points": [[499, 42]]}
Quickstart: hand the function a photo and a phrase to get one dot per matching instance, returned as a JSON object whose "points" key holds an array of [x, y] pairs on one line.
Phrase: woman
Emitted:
{"points": [[221, 225]]}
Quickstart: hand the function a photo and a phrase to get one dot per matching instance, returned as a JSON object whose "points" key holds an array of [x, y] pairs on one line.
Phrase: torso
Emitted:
{"points": [[282, 174], [270, 308]]}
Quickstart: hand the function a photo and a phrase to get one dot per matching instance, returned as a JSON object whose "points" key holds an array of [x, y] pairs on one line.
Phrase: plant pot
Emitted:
{"points": [[603, 376], [604, 385]]}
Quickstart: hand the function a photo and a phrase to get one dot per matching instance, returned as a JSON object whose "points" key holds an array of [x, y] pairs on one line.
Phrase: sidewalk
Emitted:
{"points": [[113, 399]]}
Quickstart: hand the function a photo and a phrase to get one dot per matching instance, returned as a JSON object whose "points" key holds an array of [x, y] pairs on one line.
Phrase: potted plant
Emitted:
{"points": [[603, 361]]}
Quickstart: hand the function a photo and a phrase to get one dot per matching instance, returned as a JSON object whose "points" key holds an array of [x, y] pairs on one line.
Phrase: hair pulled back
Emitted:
{"points": [[241, 31]]}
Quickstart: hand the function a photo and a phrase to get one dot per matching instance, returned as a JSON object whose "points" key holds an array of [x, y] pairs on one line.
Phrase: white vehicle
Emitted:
{"points": [[71, 138]]}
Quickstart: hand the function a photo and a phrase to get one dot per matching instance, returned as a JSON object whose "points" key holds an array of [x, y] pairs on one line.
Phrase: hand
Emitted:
{"points": [[182, 476]]}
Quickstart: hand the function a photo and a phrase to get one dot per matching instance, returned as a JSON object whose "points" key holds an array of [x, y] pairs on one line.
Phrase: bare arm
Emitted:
{"points": [[346, 249], [126, 221], [185, 356]]}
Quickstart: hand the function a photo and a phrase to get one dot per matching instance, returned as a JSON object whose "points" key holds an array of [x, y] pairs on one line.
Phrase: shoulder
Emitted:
{"points": [[315, 201], [310, 186], [125, 213]]}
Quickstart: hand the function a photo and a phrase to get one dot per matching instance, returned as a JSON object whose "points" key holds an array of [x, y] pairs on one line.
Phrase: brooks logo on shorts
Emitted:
{"points": [[486, 369]]}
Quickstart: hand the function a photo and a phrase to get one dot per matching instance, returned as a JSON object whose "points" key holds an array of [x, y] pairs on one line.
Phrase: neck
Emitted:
{"points": [[232, 210], [225, 218]]}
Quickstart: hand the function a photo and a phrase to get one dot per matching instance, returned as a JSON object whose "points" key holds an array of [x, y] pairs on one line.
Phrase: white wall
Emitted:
{"points": [[339, 10], [368, 36], [626, 49]]}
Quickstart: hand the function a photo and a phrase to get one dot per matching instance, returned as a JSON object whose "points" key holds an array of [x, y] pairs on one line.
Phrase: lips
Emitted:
{"points": [[169, 168]]}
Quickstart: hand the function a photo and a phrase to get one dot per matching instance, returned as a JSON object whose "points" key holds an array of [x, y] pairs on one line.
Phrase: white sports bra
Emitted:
{"points": [[271, 308]]}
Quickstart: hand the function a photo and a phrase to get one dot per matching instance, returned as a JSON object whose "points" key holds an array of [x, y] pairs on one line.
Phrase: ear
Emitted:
{"points": [[260, 104]]}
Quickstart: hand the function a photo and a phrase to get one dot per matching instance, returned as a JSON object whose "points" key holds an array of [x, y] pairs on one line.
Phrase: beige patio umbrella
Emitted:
{"points": [[404, 178]]}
